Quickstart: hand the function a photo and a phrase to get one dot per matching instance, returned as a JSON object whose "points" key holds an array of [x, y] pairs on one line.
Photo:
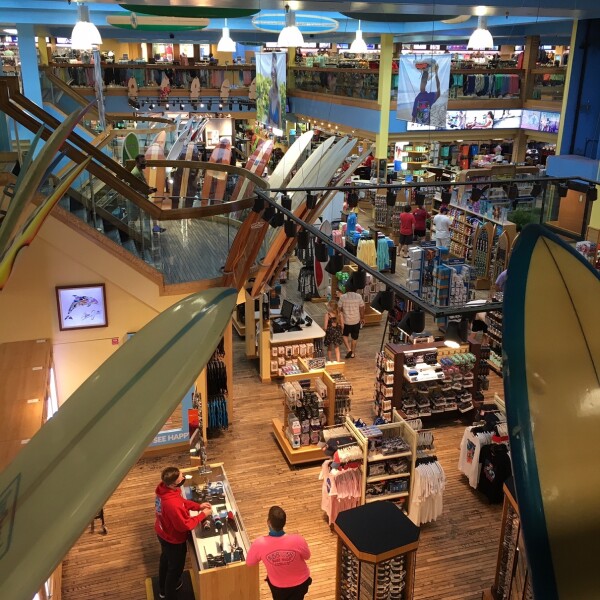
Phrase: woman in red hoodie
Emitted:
{"points": [[173, 522]]}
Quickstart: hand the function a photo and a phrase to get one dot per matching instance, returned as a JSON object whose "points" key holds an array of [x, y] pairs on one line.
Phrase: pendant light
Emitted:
{"points": [[85, 34], [290, 35], [481, 38], [226, 44], [358, 46]]}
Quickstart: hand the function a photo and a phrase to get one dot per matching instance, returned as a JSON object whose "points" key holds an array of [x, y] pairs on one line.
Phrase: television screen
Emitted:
{"points": [[530, 120], [549, 122], [287, 310]]}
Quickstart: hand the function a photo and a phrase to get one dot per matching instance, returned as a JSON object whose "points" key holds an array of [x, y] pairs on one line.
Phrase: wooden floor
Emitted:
{"points": [[457, 554]]}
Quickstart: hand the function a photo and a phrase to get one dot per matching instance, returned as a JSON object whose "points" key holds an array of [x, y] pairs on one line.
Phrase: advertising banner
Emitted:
{"points": [[423, 82], [476, 119], [271, 89]]}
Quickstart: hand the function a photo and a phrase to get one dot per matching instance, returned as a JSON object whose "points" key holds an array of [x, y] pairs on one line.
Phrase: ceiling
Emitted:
{"points": [[510, 21]]}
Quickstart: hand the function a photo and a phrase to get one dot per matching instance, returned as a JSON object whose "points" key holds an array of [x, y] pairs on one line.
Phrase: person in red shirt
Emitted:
{"points": [[284, 556], [173, 522], [421, 216], [407, 226]]}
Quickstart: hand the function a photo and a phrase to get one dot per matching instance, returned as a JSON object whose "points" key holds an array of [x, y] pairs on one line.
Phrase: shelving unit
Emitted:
{"points": [[483, 239], [311, 452], [425, 398], [376, 553]]}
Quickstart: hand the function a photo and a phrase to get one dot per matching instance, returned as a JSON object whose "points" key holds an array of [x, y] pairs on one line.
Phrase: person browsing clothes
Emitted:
{"points": [[352, 309], [173, 522], [284, 556]]}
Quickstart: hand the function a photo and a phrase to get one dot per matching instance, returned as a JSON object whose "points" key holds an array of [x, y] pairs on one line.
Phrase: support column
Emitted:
{"points": [[384, 100], [30, 75]]}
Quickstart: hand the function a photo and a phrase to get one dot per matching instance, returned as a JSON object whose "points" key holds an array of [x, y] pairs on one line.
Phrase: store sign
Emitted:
{"points": [[181, 433], [423, 83], [307, 24], [271, 89]]}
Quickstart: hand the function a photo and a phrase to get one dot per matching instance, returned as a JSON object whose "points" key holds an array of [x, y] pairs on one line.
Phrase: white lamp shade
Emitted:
{"points": [[85, 36], [358, 46], [290, 36], [481, 38], [226, 44]]}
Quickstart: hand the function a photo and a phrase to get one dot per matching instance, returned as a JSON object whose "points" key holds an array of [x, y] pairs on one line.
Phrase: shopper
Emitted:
{"points": [[284, 556], [421, 216], [441, 223], [333, 325], [407, 227], [352, 310], [500, 282], [138, 171], [173, 522]]}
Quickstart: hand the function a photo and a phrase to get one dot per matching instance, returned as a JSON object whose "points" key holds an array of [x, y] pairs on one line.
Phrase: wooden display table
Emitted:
{"points": [[236, 580]]}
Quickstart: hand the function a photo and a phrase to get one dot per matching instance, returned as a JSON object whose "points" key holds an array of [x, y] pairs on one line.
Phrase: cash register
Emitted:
{"points": [[291, 318]]}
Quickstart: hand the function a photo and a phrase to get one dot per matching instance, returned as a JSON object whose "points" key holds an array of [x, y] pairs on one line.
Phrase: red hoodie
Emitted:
{"points": [[173, 519]]}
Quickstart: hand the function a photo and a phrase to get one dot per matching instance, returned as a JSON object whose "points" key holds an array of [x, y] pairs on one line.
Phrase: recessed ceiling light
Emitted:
{"points": [[481, 11]]}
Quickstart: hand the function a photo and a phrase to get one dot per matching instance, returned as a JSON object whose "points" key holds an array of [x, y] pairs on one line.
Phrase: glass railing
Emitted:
{"points": [[548, 84], [338, 81]]}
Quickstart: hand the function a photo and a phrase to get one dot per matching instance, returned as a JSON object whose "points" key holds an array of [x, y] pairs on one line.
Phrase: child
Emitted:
{"points": [[333, 330]]}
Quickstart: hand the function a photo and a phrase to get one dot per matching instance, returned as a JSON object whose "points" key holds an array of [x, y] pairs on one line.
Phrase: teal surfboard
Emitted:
{"points": [[551, 342], [65, 474], [131, 147]]}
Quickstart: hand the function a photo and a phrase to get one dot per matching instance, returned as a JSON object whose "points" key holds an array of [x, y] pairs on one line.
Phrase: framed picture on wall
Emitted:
{"points": [[214, 135], [81, 306]]}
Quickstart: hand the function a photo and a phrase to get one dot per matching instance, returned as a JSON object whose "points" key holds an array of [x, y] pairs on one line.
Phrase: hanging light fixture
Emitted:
{"points": [[481, 38], [85, 34], [290, 35], [226, 44], [358, 46]]}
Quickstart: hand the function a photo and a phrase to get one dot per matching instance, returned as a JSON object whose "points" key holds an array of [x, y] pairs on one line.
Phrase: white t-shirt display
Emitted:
{"points": [[442, 226]]}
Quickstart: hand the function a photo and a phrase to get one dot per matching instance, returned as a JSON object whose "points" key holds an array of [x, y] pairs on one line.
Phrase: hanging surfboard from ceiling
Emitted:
{"points": [[190, 12], [155, 23]]}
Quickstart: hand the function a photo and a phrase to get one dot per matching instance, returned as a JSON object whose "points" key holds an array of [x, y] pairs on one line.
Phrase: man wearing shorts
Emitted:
{"points": [[352, 307], [407, 226]]}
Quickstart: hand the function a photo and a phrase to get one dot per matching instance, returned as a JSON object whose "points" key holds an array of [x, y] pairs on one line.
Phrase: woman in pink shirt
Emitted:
{"points": [[284, 557], [407, 225]]}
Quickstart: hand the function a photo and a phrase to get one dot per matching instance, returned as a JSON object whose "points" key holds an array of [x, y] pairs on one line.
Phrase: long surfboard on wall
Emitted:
{"points": [[256, 164], [131, 147], [551, 343], [73, 464], [215, 182], [251, 234], [279, 247], [156, 176], [184, 180]]}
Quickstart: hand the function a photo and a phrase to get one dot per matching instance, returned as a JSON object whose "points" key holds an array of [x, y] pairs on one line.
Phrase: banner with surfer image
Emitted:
{"points": [[271, 89], [423, 82]]}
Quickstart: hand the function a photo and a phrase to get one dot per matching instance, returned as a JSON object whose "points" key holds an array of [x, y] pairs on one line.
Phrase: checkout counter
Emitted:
{"points": [[220, 543]]}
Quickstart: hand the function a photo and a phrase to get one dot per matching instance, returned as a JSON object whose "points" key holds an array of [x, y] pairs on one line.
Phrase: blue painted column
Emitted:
{"points": [[581, 109], [30, 75]]}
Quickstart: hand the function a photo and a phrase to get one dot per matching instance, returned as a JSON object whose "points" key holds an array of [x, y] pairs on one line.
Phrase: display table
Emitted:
{"points": [[287, 339], [235, 580]]}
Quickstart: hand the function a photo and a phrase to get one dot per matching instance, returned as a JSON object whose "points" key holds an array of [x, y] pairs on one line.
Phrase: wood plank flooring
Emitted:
{"points": [[457, 554]]}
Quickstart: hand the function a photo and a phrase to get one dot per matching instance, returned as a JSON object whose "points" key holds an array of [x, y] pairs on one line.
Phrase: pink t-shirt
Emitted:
{"points": [[284, 558]]}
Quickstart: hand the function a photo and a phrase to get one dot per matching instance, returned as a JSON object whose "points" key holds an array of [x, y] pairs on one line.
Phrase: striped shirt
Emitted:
{"points": [[350, 304]]}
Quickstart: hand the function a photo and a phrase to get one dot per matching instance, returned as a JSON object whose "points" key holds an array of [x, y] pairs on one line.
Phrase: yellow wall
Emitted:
{"points": [[28, 310]]}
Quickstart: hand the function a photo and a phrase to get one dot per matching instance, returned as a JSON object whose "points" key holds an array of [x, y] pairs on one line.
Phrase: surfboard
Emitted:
{"points": [[181, 142], [184, 180], [285, 166], [131, 147], [251, 234], [320, 176], [215, 182], [321, 276], [160, 139], [553, 393], [118, 409], [256, 164], [313, 214], [156, 176]]}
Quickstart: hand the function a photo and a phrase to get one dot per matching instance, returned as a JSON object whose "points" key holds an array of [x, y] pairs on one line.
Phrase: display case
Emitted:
{"points": [[220, 543], [512, 570], [376, 553]]}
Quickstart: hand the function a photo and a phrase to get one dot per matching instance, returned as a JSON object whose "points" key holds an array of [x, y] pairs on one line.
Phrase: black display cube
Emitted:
{"points": [[377, 544]]}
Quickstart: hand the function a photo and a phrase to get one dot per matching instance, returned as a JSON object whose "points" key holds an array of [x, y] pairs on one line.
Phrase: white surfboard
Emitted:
{"points": [[181, 141], [289, 160]]}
